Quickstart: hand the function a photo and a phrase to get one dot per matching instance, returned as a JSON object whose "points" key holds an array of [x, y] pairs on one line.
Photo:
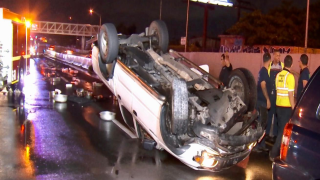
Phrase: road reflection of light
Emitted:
{"points": [[27, 154], [22, 128], [249, 174], [29, 79], [255, 171], [27, 150]]}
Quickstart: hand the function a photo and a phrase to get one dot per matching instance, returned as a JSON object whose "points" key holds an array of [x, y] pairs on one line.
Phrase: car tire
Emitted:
{"points": [[239, 83], [252, 88], [108, 43], [179, 107], [103, 68], [159, 29]]}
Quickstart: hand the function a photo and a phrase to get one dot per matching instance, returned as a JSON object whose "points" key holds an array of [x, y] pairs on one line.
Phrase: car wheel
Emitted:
{"points": [[239, 83], [159, 30], [108, 43], [252, 88], [179, 107]]}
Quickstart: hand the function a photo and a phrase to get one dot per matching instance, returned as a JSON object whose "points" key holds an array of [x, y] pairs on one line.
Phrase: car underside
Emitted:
{"points": [[197, 112]]}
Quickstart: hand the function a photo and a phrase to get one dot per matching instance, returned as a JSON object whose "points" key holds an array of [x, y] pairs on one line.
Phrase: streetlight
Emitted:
{"points": [[28, 25], [91, 11]]}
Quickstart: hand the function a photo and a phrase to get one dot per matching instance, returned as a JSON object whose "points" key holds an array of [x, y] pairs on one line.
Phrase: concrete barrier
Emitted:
{"points": [[251, 61]]}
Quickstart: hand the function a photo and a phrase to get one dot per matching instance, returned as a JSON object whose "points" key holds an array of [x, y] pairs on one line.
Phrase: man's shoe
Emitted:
{"points": [[264, 149], [274, 138], [257, 150], [271, 159]]}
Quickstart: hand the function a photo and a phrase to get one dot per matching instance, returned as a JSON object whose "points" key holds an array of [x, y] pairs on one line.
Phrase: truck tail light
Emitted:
{"points": [[285, 141]]}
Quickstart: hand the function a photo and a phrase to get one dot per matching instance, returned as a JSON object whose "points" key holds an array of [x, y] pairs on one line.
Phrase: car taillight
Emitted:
{"points": [[285, 141]]}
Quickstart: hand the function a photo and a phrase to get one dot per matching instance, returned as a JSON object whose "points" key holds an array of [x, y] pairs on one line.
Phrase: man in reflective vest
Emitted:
{"points": [[285, 85], [274, 68]]}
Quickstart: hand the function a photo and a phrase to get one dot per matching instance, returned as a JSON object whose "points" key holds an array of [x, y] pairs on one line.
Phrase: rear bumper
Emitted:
{"points": [[281, 171]]}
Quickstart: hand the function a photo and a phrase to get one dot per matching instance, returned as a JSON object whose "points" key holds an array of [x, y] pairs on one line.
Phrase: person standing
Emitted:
{"points": [[304, 74], [285, 85], [226, 69], [274, 68], [263, 94]]}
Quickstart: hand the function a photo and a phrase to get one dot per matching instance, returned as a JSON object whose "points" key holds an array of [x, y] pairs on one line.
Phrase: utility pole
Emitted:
{"points": [[160, 9], [187, 25], [307, 27], [205, 27]]}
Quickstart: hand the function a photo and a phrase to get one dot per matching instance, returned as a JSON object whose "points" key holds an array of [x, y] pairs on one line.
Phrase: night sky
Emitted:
{"points": [[137, 12]]}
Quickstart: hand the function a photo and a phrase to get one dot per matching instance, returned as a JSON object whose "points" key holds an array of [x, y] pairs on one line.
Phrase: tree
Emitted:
{"points": [[284, 25]]}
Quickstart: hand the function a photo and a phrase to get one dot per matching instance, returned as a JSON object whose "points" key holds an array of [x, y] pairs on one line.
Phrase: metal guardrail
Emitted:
{"points": [[46, 27]]}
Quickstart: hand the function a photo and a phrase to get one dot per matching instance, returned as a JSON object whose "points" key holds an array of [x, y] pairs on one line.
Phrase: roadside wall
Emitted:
{"points": [[251, 61]]}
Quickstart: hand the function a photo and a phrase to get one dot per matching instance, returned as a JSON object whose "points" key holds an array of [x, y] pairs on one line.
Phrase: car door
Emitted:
{"points": [[146, 107], [304, 145], [123, 83]]}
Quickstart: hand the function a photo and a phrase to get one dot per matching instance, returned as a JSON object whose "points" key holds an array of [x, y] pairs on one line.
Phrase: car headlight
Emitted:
{"points": [[252, 145], [206, 159]]}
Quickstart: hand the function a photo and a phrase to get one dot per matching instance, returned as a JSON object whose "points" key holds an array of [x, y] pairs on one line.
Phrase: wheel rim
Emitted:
{"points": [[104, 43], [237, 85], [155, 41]]}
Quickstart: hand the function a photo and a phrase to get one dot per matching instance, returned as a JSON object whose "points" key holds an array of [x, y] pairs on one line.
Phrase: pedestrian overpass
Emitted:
{"points": [[71, 29]]}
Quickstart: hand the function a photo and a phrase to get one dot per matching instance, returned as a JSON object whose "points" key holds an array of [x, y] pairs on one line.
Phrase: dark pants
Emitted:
{"points": [[284, 114], [259, 106], [271, 114]]}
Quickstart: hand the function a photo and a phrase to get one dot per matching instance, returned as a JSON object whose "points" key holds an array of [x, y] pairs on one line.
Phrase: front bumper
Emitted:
{"points": [[281, 170], [220, 162], [228, 161]]}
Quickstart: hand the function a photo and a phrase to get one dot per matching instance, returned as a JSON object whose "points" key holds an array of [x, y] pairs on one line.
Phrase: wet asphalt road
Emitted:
{"points": [[40, 139]]}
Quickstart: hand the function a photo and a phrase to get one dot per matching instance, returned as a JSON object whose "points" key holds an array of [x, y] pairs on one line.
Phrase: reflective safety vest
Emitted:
{"points": [[269, 67], [284, 84]]}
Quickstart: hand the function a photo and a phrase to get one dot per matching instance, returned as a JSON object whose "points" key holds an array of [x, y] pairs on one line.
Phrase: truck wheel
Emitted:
{"points": [[21, 78], [179, 107], [108, 43], [159, 30], [239, 83], [252, 88]]}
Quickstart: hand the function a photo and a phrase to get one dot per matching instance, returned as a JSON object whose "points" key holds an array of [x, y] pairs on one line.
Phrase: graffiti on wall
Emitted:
{"points": [[258, 49], [236, 44]]}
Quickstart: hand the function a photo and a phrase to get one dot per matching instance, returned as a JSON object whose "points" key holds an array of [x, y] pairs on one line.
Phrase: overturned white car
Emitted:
{"points": [[171, 107]]}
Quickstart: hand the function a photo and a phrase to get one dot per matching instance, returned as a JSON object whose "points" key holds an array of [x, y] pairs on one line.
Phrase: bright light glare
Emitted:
{"points": [[208, 161], [91, 11], [252, 145], [32, 50], [69, 52], [215, 2], [28, 24], [300, 112]]}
